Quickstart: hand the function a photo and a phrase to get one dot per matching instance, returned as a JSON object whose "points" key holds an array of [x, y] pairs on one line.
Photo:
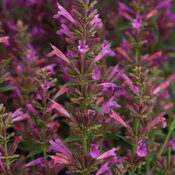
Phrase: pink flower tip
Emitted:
{"points": [[151, 14]]}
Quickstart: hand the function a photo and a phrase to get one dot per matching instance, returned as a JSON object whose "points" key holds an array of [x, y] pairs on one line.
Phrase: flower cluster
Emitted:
{"points": [[91, 90]]}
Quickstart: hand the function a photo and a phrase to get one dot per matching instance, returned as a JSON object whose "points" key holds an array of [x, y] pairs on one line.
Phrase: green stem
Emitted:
{"points": [[85, 142], [6, 154], [85, 22], [147, 167], [83, 105], [137, 54], [136, 127], [101, 145], [168, 158], [139, 170], [44, 145], [167, 138]]}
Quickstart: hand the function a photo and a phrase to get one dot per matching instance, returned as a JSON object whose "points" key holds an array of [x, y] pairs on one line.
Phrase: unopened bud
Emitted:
{"points": [[151, 14]]}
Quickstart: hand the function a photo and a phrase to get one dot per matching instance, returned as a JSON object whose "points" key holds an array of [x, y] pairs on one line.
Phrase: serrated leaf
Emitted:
{"points": [[6, 88], [72, 83], [95, 108], [71, 139]]}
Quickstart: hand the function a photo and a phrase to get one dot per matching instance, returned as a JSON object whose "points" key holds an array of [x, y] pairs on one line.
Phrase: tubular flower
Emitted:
{"points": [[106, 107], [95, 153], [137, 23], [65, 30], [117, 118], [83, 48], [58, 109], [5, 40], [19, 116], [156, 121], [59, 54], [141, 149], [105, 51], [63, 12], [63, 155]]}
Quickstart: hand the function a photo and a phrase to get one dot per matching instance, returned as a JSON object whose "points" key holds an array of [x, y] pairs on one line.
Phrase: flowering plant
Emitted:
{"points": [[82, 104]]}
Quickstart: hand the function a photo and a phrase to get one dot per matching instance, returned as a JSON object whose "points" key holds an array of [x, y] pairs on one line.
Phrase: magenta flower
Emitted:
{"points": [[97, 21], [137, 22], [161, 87], [31, 110], [4, 40], [168, 106], [151, 14], [96, 75], [94, 151], [17, 113], [123, 7], [108, 153], [58, 147], [70, 54], [58, 109], [83, 48], [45, 86], [106, 50], [19, 116], [106, 107], [65, 30], [171, 143], [156, 121], [60, 159], [104, 169], [63, 12], [141, 149], [155, 56], [117, 118], [63, 155], [14, 146], [166, 4], [108, 87], [59, 54], [48, 68], [124, 54], [60, 92], [164, 85], [39, 162]]}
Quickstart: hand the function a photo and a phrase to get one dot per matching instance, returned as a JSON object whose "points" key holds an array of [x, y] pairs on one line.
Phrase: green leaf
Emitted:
{"points": [[150, 142], [130, 172], [72, 83], [34, 152], [6, 88], [95, 108], [90, 81], [91, 59], [94, 135], [71, 139], [123, 138]]}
